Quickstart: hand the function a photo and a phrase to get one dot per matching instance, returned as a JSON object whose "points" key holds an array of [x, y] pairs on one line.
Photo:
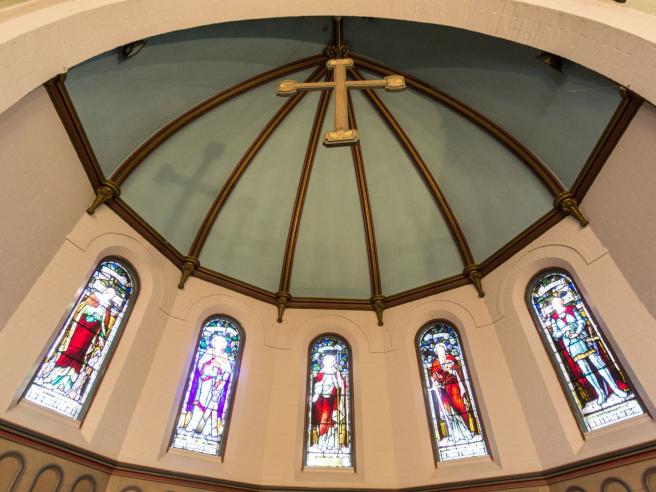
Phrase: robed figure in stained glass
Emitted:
{"points": [[599, 388], [329, 440], [452, 409], [205, 409], [65, 378]]}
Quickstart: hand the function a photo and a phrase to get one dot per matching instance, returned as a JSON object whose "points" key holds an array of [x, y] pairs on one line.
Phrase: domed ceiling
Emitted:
{"points": [[486, 148]]}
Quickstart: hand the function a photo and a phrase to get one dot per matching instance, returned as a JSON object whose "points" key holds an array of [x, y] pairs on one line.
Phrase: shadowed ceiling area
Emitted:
{"points": [[485, 149]]}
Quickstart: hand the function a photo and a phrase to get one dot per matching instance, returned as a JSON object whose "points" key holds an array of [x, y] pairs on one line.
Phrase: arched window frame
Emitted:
{"points": [[546, 343], [307, 402], [420, 366], [134, 277], [236, 370]]}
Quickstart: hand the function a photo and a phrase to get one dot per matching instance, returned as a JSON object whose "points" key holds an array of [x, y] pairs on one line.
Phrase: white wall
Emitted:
{"points": [[524, 410], [43, 190]]}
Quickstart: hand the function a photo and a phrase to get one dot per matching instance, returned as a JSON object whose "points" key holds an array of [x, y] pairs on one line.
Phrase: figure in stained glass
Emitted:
{"points": [[329, 422], [600, 390], [452, 409], [205, 408], [66, 376]]}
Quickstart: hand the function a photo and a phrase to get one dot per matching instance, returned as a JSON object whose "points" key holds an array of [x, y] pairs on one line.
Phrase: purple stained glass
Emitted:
{"points": [[329, 434], [594, 381], [69, 373], [452, 411], [205, 408]]}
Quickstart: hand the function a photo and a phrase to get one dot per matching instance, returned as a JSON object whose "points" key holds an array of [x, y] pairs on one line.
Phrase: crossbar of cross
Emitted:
{"points": [[342, 134]]}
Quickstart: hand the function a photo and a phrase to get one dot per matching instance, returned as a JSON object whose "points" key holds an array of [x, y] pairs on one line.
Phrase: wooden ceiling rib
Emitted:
{"points": [[429, 180], [617, 125], [283, 294], [377, 298], [539, 168], [129, 165], [242, 165]]}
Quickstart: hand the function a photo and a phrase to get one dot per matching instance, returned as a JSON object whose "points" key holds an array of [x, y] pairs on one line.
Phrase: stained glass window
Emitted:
{"points": [[329, 435], [205, 408], [450, 401], [70, 371], [596, 384]]}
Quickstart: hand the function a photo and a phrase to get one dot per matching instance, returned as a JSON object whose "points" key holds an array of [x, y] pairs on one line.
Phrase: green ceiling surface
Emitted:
{"points": [[494, 195]]}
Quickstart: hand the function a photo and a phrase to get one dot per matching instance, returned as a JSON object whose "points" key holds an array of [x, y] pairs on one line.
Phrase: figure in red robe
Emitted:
{"points": [[452, 399], [91, 323], [328, 407]]}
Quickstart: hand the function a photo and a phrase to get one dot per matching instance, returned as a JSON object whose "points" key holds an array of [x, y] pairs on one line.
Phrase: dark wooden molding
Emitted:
{"points": [[377, 299], [539, 168], [35, 440], [626, 110], [66, 110], [124, 170], [243, 163], [301, 192], [424, 171]]}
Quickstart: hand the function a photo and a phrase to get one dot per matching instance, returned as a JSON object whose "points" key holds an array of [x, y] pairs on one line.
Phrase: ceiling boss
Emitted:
{"points": [[342, 134]]}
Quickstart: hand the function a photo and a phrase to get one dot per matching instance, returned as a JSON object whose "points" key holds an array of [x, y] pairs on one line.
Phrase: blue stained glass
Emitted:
{"points": [[594, 381], [329, 434], [205, 409], [452, 411], [69, 373]]}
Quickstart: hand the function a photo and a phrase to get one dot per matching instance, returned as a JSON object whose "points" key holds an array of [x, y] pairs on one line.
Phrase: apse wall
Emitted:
{"points": [[524, 410]]}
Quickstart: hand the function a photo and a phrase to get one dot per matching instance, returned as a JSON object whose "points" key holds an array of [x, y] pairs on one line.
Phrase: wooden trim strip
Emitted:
{"points": [[423, 169], [128, 166], [24, 436], [365, 206], [66, 110], [539, 168], [304, 180], [244, 162], [626, 110], [542, 225]]}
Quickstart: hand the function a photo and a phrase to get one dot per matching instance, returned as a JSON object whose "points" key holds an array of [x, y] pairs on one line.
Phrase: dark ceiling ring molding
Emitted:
{"points": [[539, 168], [66, 110], [471, 270], [377, 298], [283, 296], [191, 262], [626, 110], [128, 166]]}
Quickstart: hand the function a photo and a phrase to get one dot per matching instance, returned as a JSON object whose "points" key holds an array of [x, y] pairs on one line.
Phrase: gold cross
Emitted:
{"points": [[342, 134]]}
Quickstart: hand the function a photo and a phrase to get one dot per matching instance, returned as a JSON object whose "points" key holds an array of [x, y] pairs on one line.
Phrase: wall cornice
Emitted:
{"points": [[38, 43], [61, 449]]}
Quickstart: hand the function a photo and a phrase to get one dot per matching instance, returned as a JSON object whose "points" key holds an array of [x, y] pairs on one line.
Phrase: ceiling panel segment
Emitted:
{"points": [[493, 194], [122, 103], [173, 188], [414, 243], [331, 253], [248, 239], [559, 116]]}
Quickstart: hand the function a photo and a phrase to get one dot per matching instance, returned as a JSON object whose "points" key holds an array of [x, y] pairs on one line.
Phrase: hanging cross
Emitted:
{"points": [[342, 134]]}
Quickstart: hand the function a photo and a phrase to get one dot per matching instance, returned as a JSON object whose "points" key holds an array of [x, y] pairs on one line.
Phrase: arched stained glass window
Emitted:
{"points": [[329, 434], [204, 415], [450, 401], [596, 385], [68, 376]]}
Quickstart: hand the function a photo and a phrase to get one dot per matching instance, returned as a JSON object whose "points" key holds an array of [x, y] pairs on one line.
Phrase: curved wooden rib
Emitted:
{"points": [[435, 190], [539, 168], [377, 299], [129, 165], [290, 247], [242, 165], [66, 110]]}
